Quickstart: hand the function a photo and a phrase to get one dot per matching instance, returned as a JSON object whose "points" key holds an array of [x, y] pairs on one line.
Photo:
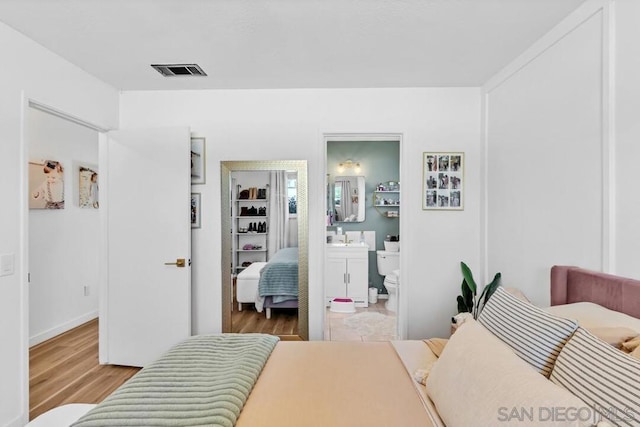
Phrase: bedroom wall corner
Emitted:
{"points": [[626, 57], [546, 121]]}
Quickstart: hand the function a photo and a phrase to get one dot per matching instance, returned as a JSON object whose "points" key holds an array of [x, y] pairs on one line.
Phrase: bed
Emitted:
{"points": [[278, 284], [570, 285], [247, 284], [278, 383]]}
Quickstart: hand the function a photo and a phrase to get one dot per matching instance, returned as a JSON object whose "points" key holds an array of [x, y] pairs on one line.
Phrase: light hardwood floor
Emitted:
{"points": [[65, 369], [284, 321]]}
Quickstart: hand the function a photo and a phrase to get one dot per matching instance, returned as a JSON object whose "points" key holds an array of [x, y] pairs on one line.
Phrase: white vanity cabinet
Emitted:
{"points": [[347, 273]]}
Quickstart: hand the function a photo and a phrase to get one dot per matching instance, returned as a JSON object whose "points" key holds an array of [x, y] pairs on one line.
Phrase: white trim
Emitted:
{"points": [[581, 15], [103, 263], [402, 326], [17, 422], [555, 35], [23, 268], [61, 114], [608, 140], [64, 327], [484, 178]]}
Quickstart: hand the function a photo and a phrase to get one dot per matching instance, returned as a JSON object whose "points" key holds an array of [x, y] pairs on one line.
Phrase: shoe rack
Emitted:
{"points": [[250, 226]]}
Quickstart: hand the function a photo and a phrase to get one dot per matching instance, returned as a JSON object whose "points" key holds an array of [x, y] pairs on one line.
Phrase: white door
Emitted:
{"points": [[145, 198]]}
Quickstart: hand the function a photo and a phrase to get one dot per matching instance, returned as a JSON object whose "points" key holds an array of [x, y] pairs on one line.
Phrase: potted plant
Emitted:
{"points": [[467, 301]]}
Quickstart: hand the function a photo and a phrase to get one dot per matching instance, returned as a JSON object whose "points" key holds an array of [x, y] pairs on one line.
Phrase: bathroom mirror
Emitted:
{"points": [[256, 196], [348, 198]]}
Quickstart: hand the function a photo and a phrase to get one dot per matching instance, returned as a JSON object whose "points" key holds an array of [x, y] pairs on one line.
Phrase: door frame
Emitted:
{"points": [[327, 137], [30, 102]]}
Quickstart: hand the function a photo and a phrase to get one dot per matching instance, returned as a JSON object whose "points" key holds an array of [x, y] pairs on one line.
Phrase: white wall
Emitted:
{"points": [[289, 124], [545, 139], [627, 138], [63, 244], [29, 68]]}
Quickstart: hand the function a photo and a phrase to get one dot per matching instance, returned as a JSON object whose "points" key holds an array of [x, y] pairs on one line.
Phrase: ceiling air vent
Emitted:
{"points": [[173, 70]]}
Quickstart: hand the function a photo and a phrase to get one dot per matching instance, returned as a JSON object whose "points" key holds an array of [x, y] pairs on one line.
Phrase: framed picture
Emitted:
{"points": [[46, 184], [443, 181], [88, 186], [198, 162], [195, 210]]}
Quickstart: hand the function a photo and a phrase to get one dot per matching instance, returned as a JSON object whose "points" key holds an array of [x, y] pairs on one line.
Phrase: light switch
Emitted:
{"points": [[7, 263]]}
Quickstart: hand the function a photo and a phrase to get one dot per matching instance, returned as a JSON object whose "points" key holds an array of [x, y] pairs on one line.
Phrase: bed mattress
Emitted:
{"points": [[334, 384]]}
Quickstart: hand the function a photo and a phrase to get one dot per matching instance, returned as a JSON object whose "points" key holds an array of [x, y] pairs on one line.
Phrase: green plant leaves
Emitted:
{"points": [[467, 300], [462, 306], [468, 277]]}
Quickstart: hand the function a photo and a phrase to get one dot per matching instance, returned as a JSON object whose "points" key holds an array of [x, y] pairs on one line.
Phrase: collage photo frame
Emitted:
{"points": [[443, 181]]}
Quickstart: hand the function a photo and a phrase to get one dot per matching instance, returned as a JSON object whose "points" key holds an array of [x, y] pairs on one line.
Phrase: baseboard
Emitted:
{"points": [[383, 296], [43, 336], [17, 422]]}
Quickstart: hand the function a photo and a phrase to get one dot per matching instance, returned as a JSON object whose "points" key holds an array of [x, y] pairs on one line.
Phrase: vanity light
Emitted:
{"points": [[348, 165]]}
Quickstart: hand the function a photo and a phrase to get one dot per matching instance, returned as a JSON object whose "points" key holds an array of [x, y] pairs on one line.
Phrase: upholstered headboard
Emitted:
{"points": [[573, 284]]}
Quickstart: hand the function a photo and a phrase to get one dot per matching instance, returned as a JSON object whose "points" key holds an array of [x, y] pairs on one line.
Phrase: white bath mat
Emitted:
{"points": [[372, 324]]}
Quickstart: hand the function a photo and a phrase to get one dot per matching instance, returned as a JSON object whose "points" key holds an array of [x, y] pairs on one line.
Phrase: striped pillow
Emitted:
{"points": [[535, 335], [602, 376]]}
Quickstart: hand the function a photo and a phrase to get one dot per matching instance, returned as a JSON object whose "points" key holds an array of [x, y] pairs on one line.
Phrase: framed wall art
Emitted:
{"points": [[88, 195], [443, 181], [198, 161], [195, 210], [46, 184]]}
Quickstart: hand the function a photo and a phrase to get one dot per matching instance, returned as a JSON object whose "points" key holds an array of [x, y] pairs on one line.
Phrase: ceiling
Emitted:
{"points": [[256, 44]]}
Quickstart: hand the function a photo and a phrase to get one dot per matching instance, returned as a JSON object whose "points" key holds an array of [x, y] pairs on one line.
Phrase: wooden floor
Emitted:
{"points": [[284, 321], [65, 369]]}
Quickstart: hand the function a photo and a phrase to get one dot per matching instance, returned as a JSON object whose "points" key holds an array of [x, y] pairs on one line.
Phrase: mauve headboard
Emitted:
{"points": [[573, 284]]}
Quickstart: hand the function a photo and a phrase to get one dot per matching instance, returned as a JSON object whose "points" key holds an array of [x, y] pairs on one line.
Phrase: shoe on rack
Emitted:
{"points": [[244, 211], [244, 194]]}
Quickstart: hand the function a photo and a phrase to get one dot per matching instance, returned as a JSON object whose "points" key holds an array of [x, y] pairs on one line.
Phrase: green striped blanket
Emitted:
{"points": [[203, 381]]}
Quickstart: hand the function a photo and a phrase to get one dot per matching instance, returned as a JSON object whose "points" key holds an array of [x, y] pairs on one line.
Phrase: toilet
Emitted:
{"points": [[389, 267]]}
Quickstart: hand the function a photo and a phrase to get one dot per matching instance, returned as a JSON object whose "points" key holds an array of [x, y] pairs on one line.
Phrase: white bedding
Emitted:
{"points": [[415, 355]]}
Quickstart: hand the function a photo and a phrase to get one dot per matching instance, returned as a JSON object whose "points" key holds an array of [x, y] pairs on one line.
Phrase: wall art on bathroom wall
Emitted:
{"points": [[46, 184], [195, 210], [88, 186], [198, 161], [443, 181]]}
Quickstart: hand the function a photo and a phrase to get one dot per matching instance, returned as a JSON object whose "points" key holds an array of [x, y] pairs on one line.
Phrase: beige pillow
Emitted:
{"points": [[479, 381], [517, 293], [615, 336], [436, 345]]}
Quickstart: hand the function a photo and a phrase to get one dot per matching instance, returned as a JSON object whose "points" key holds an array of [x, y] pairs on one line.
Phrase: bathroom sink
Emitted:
{"points": [[348, 245]]}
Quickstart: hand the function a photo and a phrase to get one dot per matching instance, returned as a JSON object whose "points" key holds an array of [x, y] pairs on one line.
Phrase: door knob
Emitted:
{"points": [[179, 262]]}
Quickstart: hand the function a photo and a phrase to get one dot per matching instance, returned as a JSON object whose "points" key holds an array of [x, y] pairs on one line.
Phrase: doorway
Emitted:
{"points": [[63, 237], [375, 160]]}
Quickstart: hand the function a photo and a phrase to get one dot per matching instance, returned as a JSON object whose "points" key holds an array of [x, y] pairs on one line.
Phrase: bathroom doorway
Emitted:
{"points": [[357, 215]]}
